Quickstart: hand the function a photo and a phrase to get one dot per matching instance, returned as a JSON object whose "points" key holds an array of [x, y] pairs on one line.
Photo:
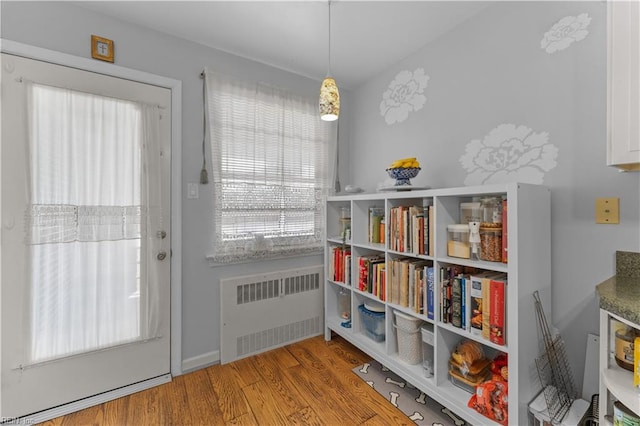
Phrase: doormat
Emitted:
{"points": [[421, 409]]}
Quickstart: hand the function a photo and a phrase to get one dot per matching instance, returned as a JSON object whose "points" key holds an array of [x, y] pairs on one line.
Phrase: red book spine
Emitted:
{"points": [[497, 312], [361, 271]]}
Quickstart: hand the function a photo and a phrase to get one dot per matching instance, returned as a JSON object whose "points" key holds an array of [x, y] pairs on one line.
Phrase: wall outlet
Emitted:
{"points": [[608, 210]]}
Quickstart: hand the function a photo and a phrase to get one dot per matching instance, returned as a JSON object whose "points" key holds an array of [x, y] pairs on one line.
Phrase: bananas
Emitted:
{"points": [[409, 162]]}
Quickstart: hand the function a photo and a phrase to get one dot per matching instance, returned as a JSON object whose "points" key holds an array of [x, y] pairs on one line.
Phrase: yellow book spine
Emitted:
{"points": [[636, 362]]}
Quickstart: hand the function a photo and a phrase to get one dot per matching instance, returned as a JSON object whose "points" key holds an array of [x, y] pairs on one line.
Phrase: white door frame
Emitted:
{"points": [[37, 53]]}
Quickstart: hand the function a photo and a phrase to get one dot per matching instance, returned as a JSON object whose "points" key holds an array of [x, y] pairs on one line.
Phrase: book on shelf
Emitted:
{"points": [[497, 310], [486, 282], [416, 285], [505, 238], [456, 301], [376, 216], [404, 283], [339, 270], [425, 230], [431, 227], [446, 275], [466, 301], [430, 292], [365, 271], [475, 304]]}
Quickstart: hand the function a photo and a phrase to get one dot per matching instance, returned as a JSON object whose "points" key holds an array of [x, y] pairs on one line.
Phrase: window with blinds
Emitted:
{"points": [[269, 152]]}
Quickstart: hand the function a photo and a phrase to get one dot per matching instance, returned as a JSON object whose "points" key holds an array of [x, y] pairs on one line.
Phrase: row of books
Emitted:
{"points": [[475, 302], [340, 264], [411, 229], [377, 229], [372, 275], [407, 283], [468, 299]]}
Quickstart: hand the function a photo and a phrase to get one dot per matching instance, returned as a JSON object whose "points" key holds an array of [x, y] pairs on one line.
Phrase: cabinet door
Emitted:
{"points": [[623, 85]]}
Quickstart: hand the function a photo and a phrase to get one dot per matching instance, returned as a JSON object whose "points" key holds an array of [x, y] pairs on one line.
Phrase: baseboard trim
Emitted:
{"points": [[72, 407], [200, 361]]}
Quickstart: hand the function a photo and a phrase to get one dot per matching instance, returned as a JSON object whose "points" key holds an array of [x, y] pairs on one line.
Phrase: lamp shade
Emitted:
{"points": [[329, 100]]}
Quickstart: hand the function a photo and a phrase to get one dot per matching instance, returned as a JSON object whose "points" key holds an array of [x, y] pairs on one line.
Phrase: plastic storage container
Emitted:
{"points": [[409, 338], [491, 210], [458, 241], [470, 212], [427, 351], [491, 243], [345, 223], [344, 304], [373, 323]]}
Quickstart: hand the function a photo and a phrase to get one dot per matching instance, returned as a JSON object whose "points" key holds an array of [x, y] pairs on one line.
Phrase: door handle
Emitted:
{"points": [[161, 255]]}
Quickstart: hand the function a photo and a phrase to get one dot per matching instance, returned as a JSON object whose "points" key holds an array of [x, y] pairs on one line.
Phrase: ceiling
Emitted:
{"points": [[367, 37]]}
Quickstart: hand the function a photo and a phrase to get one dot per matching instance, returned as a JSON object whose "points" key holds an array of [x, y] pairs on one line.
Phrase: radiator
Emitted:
{"points": [[266, 311]]}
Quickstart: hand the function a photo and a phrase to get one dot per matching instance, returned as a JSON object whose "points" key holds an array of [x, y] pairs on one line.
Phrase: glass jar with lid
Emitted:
{"points": [[491, 243], [491, 210]]}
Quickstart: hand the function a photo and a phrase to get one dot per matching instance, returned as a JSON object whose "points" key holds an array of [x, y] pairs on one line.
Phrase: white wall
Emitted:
{"points": [[64, 27], [487, 72], [491, 71]]}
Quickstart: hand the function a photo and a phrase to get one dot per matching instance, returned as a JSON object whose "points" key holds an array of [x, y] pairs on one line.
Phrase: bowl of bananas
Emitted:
{"points": [[404, 170]]}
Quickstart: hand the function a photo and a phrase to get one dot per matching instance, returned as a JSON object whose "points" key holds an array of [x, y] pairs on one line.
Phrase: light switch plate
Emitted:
{"points": [[608, 210], [192, 190]]}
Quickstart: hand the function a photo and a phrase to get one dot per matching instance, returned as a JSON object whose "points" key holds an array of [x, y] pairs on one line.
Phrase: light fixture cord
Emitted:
{"points": [[204, 177], [329, 49]]}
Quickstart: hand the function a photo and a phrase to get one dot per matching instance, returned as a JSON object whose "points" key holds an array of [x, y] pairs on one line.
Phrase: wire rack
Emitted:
{"points": [[554, 369]]}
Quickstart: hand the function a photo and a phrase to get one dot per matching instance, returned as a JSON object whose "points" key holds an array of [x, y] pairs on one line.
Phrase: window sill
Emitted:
{"points": [[216, 264]]}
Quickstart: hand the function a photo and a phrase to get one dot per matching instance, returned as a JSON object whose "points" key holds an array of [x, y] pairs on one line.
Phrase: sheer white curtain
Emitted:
{"points": [[273, 162], [87, 221]]}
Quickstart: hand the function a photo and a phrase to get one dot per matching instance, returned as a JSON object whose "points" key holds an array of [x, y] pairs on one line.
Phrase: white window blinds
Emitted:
{"points": [[270, 164]]}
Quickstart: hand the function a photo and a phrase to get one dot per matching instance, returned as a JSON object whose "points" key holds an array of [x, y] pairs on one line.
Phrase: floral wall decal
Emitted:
{"points": [[565, 32], [509, 154], [404, 95]]}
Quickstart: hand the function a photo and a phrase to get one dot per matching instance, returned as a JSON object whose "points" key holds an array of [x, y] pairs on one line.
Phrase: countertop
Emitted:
{"points": [[620, 294]]}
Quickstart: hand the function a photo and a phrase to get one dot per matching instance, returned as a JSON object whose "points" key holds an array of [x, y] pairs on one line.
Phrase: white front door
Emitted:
{"points": [[85, 220]]}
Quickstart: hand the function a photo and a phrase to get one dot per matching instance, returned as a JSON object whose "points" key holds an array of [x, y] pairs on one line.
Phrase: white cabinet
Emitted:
{"points": [[528, 270], [623, 85], [616, 383]]}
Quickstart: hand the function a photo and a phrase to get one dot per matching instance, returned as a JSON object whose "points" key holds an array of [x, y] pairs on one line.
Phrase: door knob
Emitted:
{"points": [[162, 234], [162, 255]]}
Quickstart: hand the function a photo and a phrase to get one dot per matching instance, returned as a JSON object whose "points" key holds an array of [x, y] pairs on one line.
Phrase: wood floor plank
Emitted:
{"points": [[115, 412], [230, 399], [267, 406], [326, 376], [272, 365], [245, 372], [91, 416], [201, 399], [323, 400], [305, 383], [178, 396], [362, 400], [306, 417]]}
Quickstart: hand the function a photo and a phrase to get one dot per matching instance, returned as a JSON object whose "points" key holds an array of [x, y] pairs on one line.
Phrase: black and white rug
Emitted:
{"points": [[421, 409]]}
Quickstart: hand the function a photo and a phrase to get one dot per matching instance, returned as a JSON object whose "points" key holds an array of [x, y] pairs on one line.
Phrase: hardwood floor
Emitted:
{"points": [[305, 383]]}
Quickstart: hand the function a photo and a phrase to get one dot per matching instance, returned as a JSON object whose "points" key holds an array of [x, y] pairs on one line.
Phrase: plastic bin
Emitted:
{"points": [[409, 338], [373, 323], [458, 241]]}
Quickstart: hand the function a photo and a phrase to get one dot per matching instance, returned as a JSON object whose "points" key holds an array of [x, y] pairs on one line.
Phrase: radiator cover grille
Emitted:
{"points": [[266, 311]]}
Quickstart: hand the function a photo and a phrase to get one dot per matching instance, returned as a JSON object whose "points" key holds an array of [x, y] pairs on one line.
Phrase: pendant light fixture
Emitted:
{"points": [[329, 96]]}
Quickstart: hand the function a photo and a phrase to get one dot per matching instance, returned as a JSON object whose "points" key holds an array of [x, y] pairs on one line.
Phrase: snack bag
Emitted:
{"points": [[492, 401]]}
